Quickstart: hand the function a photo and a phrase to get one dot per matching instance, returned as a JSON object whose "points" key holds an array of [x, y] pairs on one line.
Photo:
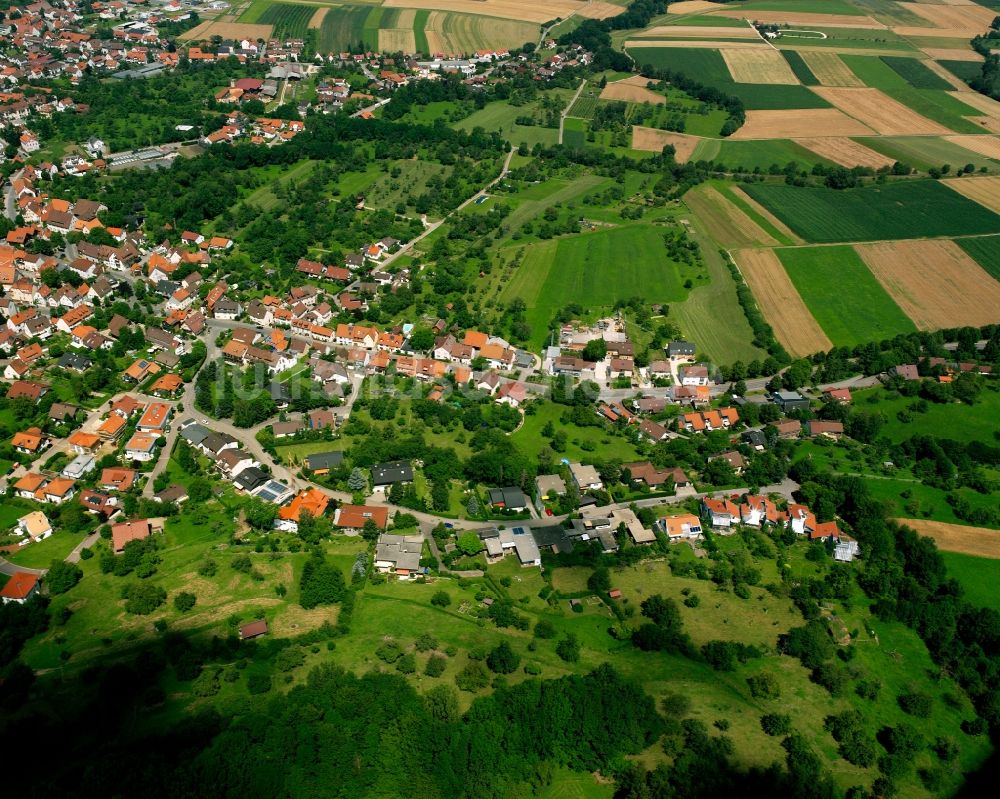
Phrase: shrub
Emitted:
{"points": [[676, 705], [184, 601], [776, 724], [441, 599], [389, 652], [503, 659], [916, 704], [208, 568], [435, 666], [532, 668], [86, 553], [426, 642], [291, 657], [62, 576], [259, 682], [207, 683], [692, 601], [764, 686], [141, 599], [568, 648], [241, 563], [545, 629], [407, 664], [473, 677]]}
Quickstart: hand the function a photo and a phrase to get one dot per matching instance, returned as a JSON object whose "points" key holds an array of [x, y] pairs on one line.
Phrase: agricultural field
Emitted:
{"points": [[978, 577], [892, 211], [986, 252], [288, 21], [864, 313], [978, 541]]}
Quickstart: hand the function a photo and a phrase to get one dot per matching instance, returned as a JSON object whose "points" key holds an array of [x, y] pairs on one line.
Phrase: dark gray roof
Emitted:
{"points": [[214, 442], [174, 493], [509, 497], [250, 478], [194, 433], [73, 361], [384, 474], [324, 460], [680, 348]]}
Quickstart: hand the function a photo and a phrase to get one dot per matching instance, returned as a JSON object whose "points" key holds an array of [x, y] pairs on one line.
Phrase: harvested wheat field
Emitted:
{"points": [[798, 124], [984, 145], [316, 21], [653, 141], [934, 282], [756, 45], [778, 225], [794, 326], [990, 124], [980, 102], [699, 32], [397, 40], [727, 224], [879, 111], [985, 191], [598, 10], [520, 10], [692, 7], [830, 70], [980, 541], [762, 65], [632, 92], [227, 30], [846, 152], [971, 19], [805, 18], [952, 54]]}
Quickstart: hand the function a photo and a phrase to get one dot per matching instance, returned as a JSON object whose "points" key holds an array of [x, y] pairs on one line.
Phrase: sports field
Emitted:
{"points": [[842, 295], [873, 213]]}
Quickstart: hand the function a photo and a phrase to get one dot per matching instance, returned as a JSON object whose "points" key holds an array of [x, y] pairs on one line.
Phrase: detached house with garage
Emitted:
{"points": [[722, 513], [399, 555]]}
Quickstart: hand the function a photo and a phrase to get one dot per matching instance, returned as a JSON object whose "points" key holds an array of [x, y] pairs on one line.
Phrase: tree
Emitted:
{"points": [[473, 677], [260, 515], [357, 481], [199, 490], [370, 531], [184, 601], [473, 507], [435, 666], [441, 599], [600, 580], [322, 583], [545, 629], [259, 682], [568, 648], [595, 350], [470, 543], [502, 659], [776, 724], [142, 598], [62, 576], [421, 339]]}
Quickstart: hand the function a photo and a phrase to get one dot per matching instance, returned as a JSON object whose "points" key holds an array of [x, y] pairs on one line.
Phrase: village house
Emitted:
{"points": [[21, 587], [354, 517], [722, 513], [399, 555], [680, 526]]}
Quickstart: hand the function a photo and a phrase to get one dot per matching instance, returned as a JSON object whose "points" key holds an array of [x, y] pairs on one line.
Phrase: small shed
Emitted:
{"points": [[253, 629], [615, 593]]}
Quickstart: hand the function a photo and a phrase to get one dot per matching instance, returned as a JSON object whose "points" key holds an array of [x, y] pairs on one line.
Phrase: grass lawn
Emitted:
{"points": [[585, 443], [865, 313], [958, 422], [13, 509], [911, 209], [978, 576], [568, 784], [40, 554], [925, 502]]}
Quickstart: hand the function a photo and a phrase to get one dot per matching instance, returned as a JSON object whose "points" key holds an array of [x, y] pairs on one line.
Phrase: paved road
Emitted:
{"points": [[6, 567], [89, 541]]}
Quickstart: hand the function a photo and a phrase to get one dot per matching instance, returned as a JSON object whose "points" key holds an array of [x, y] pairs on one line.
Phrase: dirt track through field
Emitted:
{"points": [[632, 92], [846, 152], [934, 282], [653, 141], [803, 123], [782, 306], [980, 541], [830, 70], [727, 224], [804, 18], [983, 145], [762, 65], [985, 190], [880, 112], [776, 223]]}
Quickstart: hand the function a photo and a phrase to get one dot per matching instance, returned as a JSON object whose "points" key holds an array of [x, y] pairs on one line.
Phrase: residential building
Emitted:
{"points": [[790, 401], [547, 487], [34, 525], [399, 555], [141, 447], [509, 498], [499, 543], [311, 500], [122, 534], [322, 462], [21, 587], [585, 476], [353, 517], [80, 466], [680, 526], [722, 513], [385, 475]]}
